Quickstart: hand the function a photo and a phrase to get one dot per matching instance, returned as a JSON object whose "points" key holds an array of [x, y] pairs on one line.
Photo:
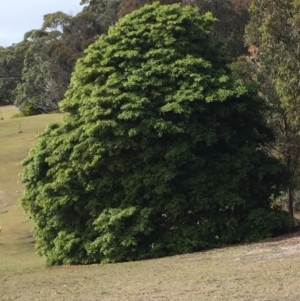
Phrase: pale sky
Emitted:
{"points": [[19, 16]]}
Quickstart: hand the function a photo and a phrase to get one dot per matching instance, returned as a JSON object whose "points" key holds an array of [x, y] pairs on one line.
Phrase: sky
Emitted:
{"points": [[19, 16]]}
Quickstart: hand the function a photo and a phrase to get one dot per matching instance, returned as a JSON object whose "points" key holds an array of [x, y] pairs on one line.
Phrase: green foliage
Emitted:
{"points": [[261, 223], [161, 152]]}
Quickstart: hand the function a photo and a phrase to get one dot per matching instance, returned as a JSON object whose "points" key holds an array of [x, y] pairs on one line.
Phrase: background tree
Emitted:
{"points": [[50, 59], [241, 4], [37, 92], [129, 6], [274, 30], [230, 27], [11, 64], [106, 10], [161, 152]]}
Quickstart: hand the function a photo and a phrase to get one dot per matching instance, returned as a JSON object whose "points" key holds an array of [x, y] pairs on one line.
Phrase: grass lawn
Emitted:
{"points": [[261, 271]]}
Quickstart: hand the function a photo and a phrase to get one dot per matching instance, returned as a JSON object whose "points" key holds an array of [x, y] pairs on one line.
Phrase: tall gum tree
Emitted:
{"points": [[50, 59], [11, 65], [273, 28]]}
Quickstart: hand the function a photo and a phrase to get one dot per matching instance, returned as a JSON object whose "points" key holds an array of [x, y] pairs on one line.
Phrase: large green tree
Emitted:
{"points": [[161, 151]]}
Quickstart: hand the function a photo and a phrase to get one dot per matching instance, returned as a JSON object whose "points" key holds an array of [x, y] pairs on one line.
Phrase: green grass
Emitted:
{"points": [[263, 271]]}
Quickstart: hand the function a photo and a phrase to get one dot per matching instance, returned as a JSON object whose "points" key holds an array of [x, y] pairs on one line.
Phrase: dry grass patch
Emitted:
{"points": [[7, 112]]}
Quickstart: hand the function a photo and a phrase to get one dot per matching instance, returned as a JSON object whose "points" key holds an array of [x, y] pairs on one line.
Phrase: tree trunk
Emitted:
{"points": [[289, 193], [290, 202]]}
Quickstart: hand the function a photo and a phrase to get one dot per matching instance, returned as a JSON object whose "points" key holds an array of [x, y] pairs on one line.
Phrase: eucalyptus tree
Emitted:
{"points": [[106, 10], [273, 30], [11, 65], [38, 91], [49, 61]]}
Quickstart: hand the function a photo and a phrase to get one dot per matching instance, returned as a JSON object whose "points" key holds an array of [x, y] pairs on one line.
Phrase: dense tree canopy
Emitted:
{"points": [[160, 152]]}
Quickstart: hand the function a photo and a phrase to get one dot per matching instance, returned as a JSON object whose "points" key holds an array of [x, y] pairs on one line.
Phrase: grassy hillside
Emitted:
{"points": [[263, 271]]}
